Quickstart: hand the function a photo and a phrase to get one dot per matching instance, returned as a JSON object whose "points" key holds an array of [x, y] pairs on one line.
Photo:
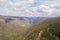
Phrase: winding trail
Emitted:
{"points": [[39, 35]]}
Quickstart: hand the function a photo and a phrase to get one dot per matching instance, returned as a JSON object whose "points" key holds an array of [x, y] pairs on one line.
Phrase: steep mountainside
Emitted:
{"points": [[47, 30], [11, 28], [19, 28]]}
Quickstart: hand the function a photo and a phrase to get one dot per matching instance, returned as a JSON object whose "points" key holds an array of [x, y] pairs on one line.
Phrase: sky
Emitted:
{"points": [[30, 8]]}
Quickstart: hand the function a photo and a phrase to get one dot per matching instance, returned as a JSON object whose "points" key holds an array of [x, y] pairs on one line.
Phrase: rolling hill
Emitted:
{"points": [[19, 28], [47, 30], [12, 28]]}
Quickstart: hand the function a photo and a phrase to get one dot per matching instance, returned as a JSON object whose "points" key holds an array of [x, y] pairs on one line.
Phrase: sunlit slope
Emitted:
{"points": [[47, 30], [15, 29]]}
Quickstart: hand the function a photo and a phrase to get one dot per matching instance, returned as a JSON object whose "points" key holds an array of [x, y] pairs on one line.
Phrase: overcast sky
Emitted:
{"points": [[32, 8]]}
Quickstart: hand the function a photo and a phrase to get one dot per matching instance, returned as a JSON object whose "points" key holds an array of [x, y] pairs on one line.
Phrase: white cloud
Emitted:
{"points": [[15, 8], [45, 8], [21, 3], [50, 8]]}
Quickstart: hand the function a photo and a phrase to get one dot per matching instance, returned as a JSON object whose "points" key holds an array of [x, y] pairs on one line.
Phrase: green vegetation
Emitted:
{"points": [[47, 30], [50, 28]]}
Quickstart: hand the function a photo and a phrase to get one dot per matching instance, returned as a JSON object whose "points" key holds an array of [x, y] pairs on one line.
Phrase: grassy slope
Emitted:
{"points": [[10, 32], [47, 34]]}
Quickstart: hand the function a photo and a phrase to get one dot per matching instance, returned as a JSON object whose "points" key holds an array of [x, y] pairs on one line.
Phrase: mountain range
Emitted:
{"points": [[28, 28], [11, 27]]}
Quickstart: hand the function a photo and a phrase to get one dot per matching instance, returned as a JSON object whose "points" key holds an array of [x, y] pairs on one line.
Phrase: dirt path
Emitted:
{"points": [[39, 35]]}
